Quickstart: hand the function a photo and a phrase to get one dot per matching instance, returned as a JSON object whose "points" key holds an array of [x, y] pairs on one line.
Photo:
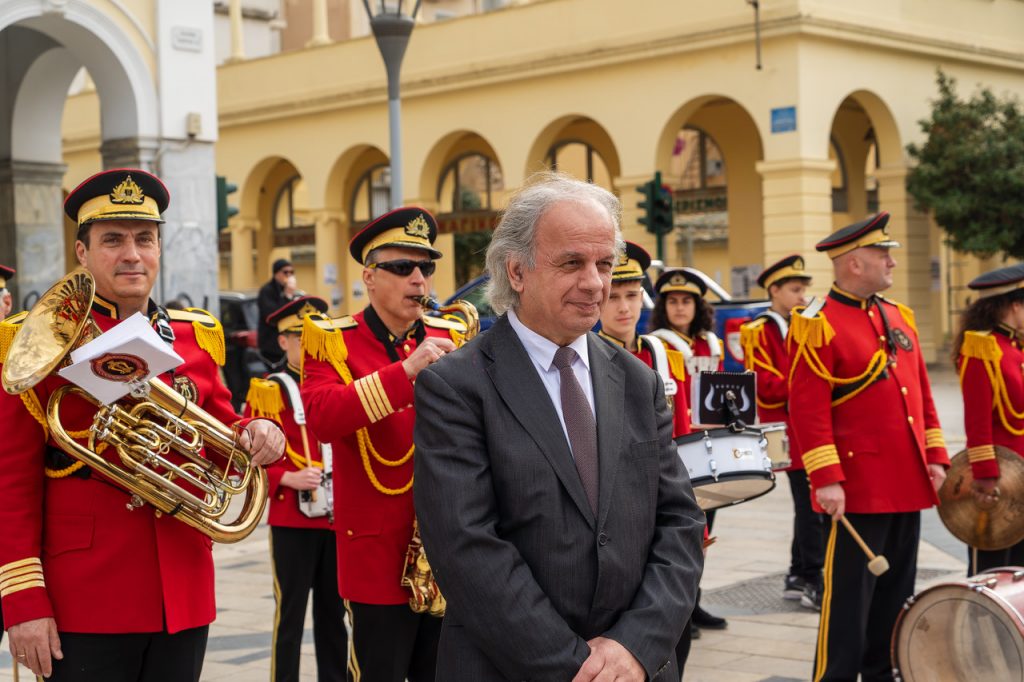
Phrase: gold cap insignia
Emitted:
{"points": [[306, 310], [677, 279], [418, 227], [127, 193], [798, 264], [623, 259]]}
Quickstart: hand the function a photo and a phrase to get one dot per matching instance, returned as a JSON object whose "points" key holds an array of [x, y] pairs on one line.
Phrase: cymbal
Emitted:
{"points": [[991, 526]]}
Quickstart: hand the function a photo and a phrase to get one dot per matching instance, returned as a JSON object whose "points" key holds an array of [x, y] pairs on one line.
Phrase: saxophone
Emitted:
{"points": [[416, 574]]}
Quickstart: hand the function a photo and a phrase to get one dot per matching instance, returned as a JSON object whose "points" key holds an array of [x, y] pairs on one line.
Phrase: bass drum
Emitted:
{"points": [[970, 629]]}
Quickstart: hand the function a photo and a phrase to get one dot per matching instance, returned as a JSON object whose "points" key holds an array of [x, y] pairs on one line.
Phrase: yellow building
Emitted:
{"points": [[764, 158]]}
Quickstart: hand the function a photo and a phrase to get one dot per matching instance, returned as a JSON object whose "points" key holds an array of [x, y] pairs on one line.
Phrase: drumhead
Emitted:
{"points": [[730, 489], [953, 632]]}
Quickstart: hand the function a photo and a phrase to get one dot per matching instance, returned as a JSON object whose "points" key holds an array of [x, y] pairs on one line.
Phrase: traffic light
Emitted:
{"points": [[646, 206], [224, 211], [664, 215]]}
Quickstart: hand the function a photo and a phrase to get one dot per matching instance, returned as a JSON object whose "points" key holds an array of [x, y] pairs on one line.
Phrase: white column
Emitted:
{"points": [[237, 34], [321, 36]]}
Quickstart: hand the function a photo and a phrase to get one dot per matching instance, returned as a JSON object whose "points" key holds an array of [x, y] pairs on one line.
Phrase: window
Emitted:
{"points": [[701, 160], [580, 160], [469, 184], [291, 205], [840, 198], [372, 196]]}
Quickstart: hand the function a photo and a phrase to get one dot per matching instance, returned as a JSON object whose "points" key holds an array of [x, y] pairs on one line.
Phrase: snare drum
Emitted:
{"points": [[970, 629], [778, 444], [726, 467]]}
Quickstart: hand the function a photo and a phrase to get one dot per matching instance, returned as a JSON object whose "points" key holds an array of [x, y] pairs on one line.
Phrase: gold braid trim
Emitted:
{"points": [[300, 460], [820, 457], [756, 355], [933, 438], [327, 344], [264, 399], [35, 408], [676, 363], [983, 347], [458, 336], [981, 453], [814, 332], [72, 468]]}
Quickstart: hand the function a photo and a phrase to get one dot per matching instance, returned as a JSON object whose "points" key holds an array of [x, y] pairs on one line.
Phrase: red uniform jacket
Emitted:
{"points": [[284, 501], [365, 415], [876, 435], [990, 416], [680, 401], [70, 548], [765, 354]]}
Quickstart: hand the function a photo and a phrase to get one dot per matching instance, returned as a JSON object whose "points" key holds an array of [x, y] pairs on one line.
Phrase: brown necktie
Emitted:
{"points": [[579, 422]]}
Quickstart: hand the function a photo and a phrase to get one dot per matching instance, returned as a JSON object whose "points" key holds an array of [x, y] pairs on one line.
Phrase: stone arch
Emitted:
{"points": [[574, 128], [736, 135], [451, 146]]}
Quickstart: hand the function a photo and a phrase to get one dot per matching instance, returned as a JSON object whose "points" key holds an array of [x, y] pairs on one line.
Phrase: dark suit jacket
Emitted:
{"points": [[529, 573]]}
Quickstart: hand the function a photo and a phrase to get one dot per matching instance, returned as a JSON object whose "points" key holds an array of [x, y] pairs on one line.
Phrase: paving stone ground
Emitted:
{"points": [[767, 640]]}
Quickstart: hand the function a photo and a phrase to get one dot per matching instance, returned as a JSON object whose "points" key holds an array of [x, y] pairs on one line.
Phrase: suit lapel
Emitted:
{"points": [[515, 378], [610, 406]]}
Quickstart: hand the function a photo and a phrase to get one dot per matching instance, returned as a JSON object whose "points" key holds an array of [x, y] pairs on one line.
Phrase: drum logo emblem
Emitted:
{"points": [[119, 367]]}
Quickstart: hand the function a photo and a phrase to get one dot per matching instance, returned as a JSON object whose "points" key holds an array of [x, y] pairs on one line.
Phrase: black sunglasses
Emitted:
{"points": [[403, 267]]}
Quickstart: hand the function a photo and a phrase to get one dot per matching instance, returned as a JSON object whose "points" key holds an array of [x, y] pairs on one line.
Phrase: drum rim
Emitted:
{"points": [[745, 499], [717, 432], [963, 584]]}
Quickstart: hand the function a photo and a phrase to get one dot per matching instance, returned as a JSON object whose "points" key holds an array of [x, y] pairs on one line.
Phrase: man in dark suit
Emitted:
{"points": [[554, 509]]}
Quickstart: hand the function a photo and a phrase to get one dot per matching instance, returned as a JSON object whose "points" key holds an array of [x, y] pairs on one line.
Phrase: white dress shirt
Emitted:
{"points": [[542, 354]]}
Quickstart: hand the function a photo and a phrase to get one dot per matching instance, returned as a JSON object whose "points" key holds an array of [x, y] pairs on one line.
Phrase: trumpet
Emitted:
{"points": [[144, 428], [416, 574]]}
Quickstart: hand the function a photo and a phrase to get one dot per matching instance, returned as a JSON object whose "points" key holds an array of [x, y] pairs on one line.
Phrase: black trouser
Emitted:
{"points": [[683, 647], [305, 559], [858, 609], [135, 657], [807, 552], [390, 643], [994, 558]]}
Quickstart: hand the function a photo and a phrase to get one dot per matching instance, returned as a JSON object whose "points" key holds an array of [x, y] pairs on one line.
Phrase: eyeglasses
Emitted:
{"points": [[403, 267]]}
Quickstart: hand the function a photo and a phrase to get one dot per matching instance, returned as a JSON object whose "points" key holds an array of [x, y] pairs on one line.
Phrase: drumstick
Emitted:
{"points": [[876, 564], [309, 460]]}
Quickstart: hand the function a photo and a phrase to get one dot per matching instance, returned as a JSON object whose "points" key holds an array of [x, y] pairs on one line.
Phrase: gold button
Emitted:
{"points": [[871, 313], [881, 338], [280, 496], [406, 348], [910, 419], [894, 364], [903, 390], [348, 532], [850, 453]]}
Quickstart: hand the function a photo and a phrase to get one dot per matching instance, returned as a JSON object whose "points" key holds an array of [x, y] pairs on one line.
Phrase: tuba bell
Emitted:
{"points": [[416, 573], [144, 428]]}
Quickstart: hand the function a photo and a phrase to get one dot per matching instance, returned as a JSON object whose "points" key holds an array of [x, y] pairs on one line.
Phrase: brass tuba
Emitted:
{"points": [[144, 427], [416, 574]]}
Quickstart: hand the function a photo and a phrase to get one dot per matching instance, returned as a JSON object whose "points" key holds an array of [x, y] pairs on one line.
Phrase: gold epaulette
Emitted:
{"points": [[453, 323], [264, 399], [750, 339], [209, 332], [981, 345], [676, 363], [8, 328], [906, 312], [322, 340], [813, 332]]}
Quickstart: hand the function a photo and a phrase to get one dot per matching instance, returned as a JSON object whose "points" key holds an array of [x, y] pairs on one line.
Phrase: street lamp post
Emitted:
{"points": [[391, 27]]}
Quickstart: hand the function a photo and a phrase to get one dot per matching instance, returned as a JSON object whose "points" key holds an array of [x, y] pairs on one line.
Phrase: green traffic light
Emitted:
{"points": [[224, 210]]}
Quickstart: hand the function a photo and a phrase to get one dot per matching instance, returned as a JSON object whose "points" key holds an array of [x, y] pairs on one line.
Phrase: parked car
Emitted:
{"points": [[730, 313], [239, 315]]}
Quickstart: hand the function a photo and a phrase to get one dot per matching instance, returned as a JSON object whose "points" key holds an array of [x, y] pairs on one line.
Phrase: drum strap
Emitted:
{"points": [[299, 412], [779, 321], [660, 361]]}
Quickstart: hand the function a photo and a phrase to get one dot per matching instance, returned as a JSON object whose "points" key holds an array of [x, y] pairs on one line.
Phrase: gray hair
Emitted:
{"points": [[514, 237]]}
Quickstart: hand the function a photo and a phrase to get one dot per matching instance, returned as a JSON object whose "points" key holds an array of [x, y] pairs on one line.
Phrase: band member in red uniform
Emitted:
{"points": [[302, 543], [990, 359], [685, 321], [358, 389], [765, 354], [861, 407], [619, 318], [95, 587]]}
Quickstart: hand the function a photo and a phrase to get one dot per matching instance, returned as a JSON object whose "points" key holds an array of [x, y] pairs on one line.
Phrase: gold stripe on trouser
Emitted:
{"points": [[826, 606], [277, 610], [353, 664]]}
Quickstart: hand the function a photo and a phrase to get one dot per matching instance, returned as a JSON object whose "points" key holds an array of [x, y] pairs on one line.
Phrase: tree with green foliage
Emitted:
{"points": [[970, 170]]}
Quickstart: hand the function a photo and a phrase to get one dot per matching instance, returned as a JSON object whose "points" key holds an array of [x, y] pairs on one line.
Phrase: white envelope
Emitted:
{"points": [[111, 366]]}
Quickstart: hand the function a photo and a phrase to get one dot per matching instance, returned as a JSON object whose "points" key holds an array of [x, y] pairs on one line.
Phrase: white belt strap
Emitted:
{"points": [[660, 359]]}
